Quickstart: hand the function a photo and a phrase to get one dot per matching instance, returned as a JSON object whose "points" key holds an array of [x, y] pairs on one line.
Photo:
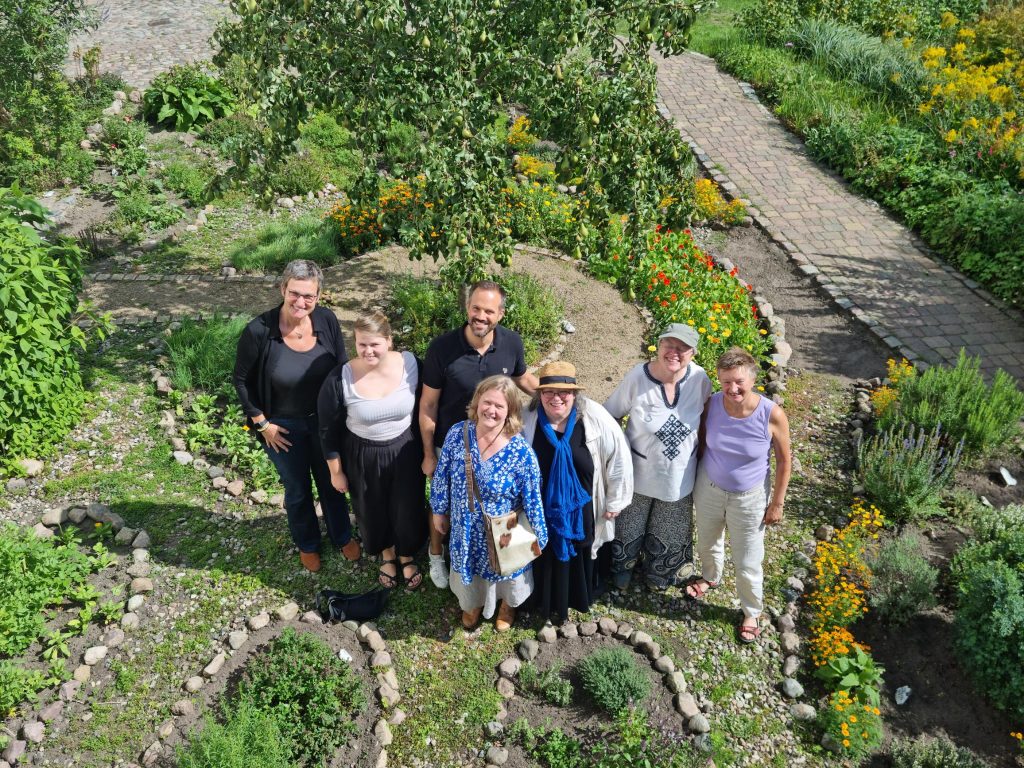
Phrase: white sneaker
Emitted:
{"points": [[438, 570]]}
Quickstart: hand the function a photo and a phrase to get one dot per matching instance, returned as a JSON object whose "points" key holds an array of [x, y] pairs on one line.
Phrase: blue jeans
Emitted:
{"points": [[295, 467]]}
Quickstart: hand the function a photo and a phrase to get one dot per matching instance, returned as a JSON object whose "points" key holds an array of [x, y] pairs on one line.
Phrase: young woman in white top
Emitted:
{"points": [[664, 400], [373, 449]]}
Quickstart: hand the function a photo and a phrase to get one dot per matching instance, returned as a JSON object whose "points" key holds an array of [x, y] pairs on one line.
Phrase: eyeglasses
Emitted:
{"points": [[562, 394], [306, 297]]}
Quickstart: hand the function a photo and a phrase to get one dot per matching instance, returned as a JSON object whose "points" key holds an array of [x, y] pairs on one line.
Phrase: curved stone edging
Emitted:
{"points": [[34, 726], [378, 664], [641, 642]]}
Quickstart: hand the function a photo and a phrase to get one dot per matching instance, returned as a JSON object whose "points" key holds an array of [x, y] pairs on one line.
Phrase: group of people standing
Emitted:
{"points": [[604, 502]]}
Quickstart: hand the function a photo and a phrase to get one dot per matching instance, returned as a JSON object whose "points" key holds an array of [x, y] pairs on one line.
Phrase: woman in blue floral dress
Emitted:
{"points": [[507, 476]]}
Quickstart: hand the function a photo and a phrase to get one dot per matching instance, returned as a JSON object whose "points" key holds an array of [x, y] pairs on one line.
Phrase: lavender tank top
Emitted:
{"points": [[736, 455]]}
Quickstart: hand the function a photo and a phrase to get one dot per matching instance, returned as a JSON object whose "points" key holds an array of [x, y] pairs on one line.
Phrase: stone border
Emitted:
{"points": [[379, 663], [803, 261], [641, 642], [33, 728]]}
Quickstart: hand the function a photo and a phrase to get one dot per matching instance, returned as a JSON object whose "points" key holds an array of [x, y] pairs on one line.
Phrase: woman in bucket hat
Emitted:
{"points": [[587, 480], [664, 400]]}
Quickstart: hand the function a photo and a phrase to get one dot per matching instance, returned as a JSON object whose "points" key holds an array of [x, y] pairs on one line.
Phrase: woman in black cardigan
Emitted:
{"points": [[283, 357]]}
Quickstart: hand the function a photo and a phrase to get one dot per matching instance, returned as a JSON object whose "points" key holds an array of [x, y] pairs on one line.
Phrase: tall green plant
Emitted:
{"points": [[905, 471], [248, 738], [203, 354], [984, 417], [40, 385]]}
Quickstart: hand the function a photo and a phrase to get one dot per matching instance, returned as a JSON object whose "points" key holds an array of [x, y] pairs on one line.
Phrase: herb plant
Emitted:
{"points": [[184, 97], [613, 679]]}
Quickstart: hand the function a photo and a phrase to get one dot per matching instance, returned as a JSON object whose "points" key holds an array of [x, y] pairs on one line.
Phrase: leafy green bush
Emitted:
{"points": [[906, 470], [938, 752], [333, 147], [989, 574], [237, 128], [769, 21], [855, 672], [123, 144], [401, 146], [958, 398], [277, 243], [186, 97], [420, 311], [613, 679], [248, 738], [203, 354], [40, 386], [141, 207], [299, 174], [904, 583], [845, 52], [310, 694], [548, 684], [193, 182]]}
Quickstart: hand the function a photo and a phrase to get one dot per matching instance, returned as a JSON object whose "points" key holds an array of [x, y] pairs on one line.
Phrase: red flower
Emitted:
{"points": [[673, 297]]}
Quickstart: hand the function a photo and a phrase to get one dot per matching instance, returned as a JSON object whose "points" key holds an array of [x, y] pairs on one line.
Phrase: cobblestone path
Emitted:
{"points": [[141, 38], [869, 263]]}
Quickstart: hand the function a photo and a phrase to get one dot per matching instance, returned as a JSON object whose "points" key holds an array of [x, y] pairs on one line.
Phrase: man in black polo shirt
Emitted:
{"points": [[456, 362]]}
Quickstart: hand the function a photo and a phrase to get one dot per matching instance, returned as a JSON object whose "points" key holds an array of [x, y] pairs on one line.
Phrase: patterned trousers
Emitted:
{"points": [[660, 535]]}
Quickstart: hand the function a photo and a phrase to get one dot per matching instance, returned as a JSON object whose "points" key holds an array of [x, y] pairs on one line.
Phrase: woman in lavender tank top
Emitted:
{"points": [[740, 429]]}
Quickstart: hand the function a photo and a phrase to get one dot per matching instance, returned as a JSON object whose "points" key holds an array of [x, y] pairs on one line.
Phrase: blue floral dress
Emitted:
{"points": [[509, 477]]}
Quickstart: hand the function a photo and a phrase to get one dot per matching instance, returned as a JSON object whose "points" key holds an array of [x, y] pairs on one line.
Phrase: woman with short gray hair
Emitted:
{"points": [[283, 357]]}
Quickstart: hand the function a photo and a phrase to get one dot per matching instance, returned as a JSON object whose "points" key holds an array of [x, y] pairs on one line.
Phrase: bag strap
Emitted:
{"points": [[474, 496]]}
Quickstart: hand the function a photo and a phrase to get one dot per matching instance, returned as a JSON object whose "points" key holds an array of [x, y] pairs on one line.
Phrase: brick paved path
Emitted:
{"points": [[870, 264], [141, 38]]}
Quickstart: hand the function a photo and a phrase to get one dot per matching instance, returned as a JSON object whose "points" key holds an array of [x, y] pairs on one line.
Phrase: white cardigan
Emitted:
{"points": [[613, 468]]}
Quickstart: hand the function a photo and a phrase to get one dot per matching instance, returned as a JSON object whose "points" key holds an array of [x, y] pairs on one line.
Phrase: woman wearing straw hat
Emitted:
{"points": [[587, 480], [664, 400]]}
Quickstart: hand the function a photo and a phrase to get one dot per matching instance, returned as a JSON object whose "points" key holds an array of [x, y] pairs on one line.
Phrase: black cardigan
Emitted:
{"points": [[330, 407], [252, 377]]}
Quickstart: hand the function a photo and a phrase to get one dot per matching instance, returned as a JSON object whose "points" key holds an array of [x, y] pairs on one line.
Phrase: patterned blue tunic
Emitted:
{"points": [[509, 477]]}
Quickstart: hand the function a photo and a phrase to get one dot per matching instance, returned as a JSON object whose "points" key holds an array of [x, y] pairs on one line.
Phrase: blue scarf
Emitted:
{"points": [[564, 497]]}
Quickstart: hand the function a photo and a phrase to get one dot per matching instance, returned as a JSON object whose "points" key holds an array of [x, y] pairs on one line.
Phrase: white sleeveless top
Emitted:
{"points": [[383, 418]]}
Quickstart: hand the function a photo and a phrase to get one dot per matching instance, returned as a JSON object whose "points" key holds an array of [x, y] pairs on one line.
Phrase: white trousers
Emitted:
{"points": [[743, 515]]}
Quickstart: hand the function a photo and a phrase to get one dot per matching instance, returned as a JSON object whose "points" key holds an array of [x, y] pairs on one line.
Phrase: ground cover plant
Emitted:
{"points": [[904, 582], [37, 578], [248, 738], [613, 679]]}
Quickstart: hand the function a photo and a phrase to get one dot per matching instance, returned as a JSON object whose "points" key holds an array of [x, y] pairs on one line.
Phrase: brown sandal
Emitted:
{"points": [[695, 591], [748, 634]]}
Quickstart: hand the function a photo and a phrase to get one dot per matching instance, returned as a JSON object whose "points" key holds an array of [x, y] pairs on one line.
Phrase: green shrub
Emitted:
{"points": [[279, 242], [613, 679], [248, 738], [186, 97], [959, 400], [548, 684], [203, 354], [849, 54], [123, 144], [236, 128], [299, 174], [310, 694], [989, 575], [401, 146], [141, 207], [903, 583], [769, 21], [333, 148], [40, 386], [192, 182], [420, 311], [940, 752], [906, 470]]}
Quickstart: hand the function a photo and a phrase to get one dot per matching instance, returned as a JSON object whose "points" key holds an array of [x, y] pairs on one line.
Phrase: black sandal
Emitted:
{"points": [[388, 580], [414, 582]]}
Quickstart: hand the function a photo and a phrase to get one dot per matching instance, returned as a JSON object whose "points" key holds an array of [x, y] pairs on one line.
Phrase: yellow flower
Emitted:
{"points": [[651, 348], [951, 136]]}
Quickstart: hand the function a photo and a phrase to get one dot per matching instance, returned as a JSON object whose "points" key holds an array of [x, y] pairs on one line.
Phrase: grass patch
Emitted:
{"points": [[203, 354], [279, 242]]}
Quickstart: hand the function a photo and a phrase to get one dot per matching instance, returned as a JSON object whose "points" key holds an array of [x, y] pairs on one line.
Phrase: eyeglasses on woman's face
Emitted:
{"points": [[557, 394], [309, 298]]}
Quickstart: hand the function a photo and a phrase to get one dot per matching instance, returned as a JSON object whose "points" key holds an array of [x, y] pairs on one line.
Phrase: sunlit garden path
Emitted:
{"points": [[874, 265]]}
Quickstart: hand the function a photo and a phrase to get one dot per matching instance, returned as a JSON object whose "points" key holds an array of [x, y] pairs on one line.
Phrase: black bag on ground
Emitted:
{"points": [[344, 606]]}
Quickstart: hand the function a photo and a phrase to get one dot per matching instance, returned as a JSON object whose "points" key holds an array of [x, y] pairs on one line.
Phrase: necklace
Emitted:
{"points": [[492, 442]]}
